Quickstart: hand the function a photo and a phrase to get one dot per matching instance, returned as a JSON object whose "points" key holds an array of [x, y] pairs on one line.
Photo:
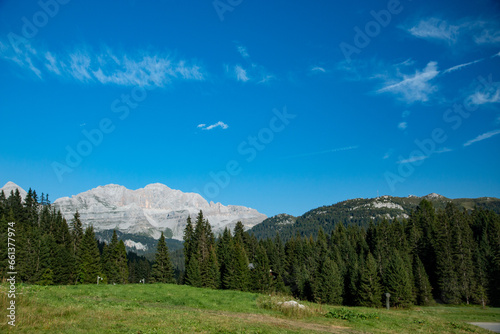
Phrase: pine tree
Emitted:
{"points": [[449, 289], [88, 258], [398, 281], [422, 286], [259, 276], [193, 276], [238, 276], [328, 285], [121, 262], [224, 256], [162, 271], [76, 231], [369, 293]]}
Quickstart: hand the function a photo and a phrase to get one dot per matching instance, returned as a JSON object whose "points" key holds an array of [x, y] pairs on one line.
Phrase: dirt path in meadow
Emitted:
{"points": [[286, 323]]}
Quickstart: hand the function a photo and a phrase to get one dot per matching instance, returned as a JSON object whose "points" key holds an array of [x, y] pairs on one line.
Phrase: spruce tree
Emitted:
{"points": [[162, 271], [88, 259], [328, 284], [369, 293], [398, 281], [422, 286], [259, 276], [76, 231], [449, 288]]}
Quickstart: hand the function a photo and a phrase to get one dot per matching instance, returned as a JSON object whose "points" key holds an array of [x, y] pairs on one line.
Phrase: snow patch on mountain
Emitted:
{"points": [[137, 245]]}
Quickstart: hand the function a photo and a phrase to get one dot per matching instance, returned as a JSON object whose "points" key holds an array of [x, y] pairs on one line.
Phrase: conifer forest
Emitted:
{"points": [[449, 256]]}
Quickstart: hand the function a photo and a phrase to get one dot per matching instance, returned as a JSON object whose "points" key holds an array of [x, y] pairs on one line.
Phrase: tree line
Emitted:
{"points": [[50, 251], [446, 255]]}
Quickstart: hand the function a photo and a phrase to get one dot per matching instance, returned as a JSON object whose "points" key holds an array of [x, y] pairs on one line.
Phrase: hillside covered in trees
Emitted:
{"points": [[450, 255], [360, 212]]}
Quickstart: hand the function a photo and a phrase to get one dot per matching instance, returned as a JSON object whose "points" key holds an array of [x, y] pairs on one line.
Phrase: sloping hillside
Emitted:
{"points": [[360, 211]]}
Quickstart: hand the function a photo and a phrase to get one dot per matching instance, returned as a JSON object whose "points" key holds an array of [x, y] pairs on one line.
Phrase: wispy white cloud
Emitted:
{"points": [[241, 73], [266, 79], [482, 97], [317, 69], [443, 150], [468, 30], [220, 124], [402, 125], [249, 71], [488, 36], [243, 51], [434, 28], [414, 87], [421, 157], [406, 113], [482, 137], [388, 154], [413, 159], [348, 148], [142, 68], [458, 67]]}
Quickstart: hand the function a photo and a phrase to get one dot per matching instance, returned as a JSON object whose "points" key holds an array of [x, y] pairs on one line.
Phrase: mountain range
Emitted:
{"points": [[139, 216], [146, 212]]}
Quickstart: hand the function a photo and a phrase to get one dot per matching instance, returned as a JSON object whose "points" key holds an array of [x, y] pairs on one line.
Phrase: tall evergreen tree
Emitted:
{"points": [[369, 293], [398, 281], [422, 286], [88, 259], [162, 268], [328, 285]]}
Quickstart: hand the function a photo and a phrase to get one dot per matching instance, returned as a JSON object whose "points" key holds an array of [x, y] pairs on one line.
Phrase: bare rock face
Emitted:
{"points": [[11, 187], [151, 210]]}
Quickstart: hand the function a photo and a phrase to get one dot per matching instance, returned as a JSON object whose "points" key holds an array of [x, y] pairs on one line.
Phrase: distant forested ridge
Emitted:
{"points": [[360, 212], [449, 254]]}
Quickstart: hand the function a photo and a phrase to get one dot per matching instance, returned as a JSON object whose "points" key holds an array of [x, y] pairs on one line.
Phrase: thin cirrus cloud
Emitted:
{"points": [[250, 72], [480, 32], [437, 29], [220, 124], [420, 85], [459, 67], [240, 73], [413, 159], [414, 87], [402, 125], [139, 69], [424, 157], [318, 69], [491, 95], [482, 137]]}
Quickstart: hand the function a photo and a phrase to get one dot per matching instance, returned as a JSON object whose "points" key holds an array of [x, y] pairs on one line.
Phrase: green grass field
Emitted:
{"points": [[163, 308]]}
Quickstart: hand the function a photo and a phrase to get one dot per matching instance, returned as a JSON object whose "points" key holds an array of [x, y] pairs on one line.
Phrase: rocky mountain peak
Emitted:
{"points": [[151, 210], [11, 186]]}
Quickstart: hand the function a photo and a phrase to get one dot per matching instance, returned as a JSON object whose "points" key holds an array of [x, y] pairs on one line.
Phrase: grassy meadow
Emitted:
{"points": [[164, 308]]}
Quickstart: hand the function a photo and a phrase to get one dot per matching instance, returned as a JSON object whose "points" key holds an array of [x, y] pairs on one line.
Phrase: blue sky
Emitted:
{"points": [[282, 106]]}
